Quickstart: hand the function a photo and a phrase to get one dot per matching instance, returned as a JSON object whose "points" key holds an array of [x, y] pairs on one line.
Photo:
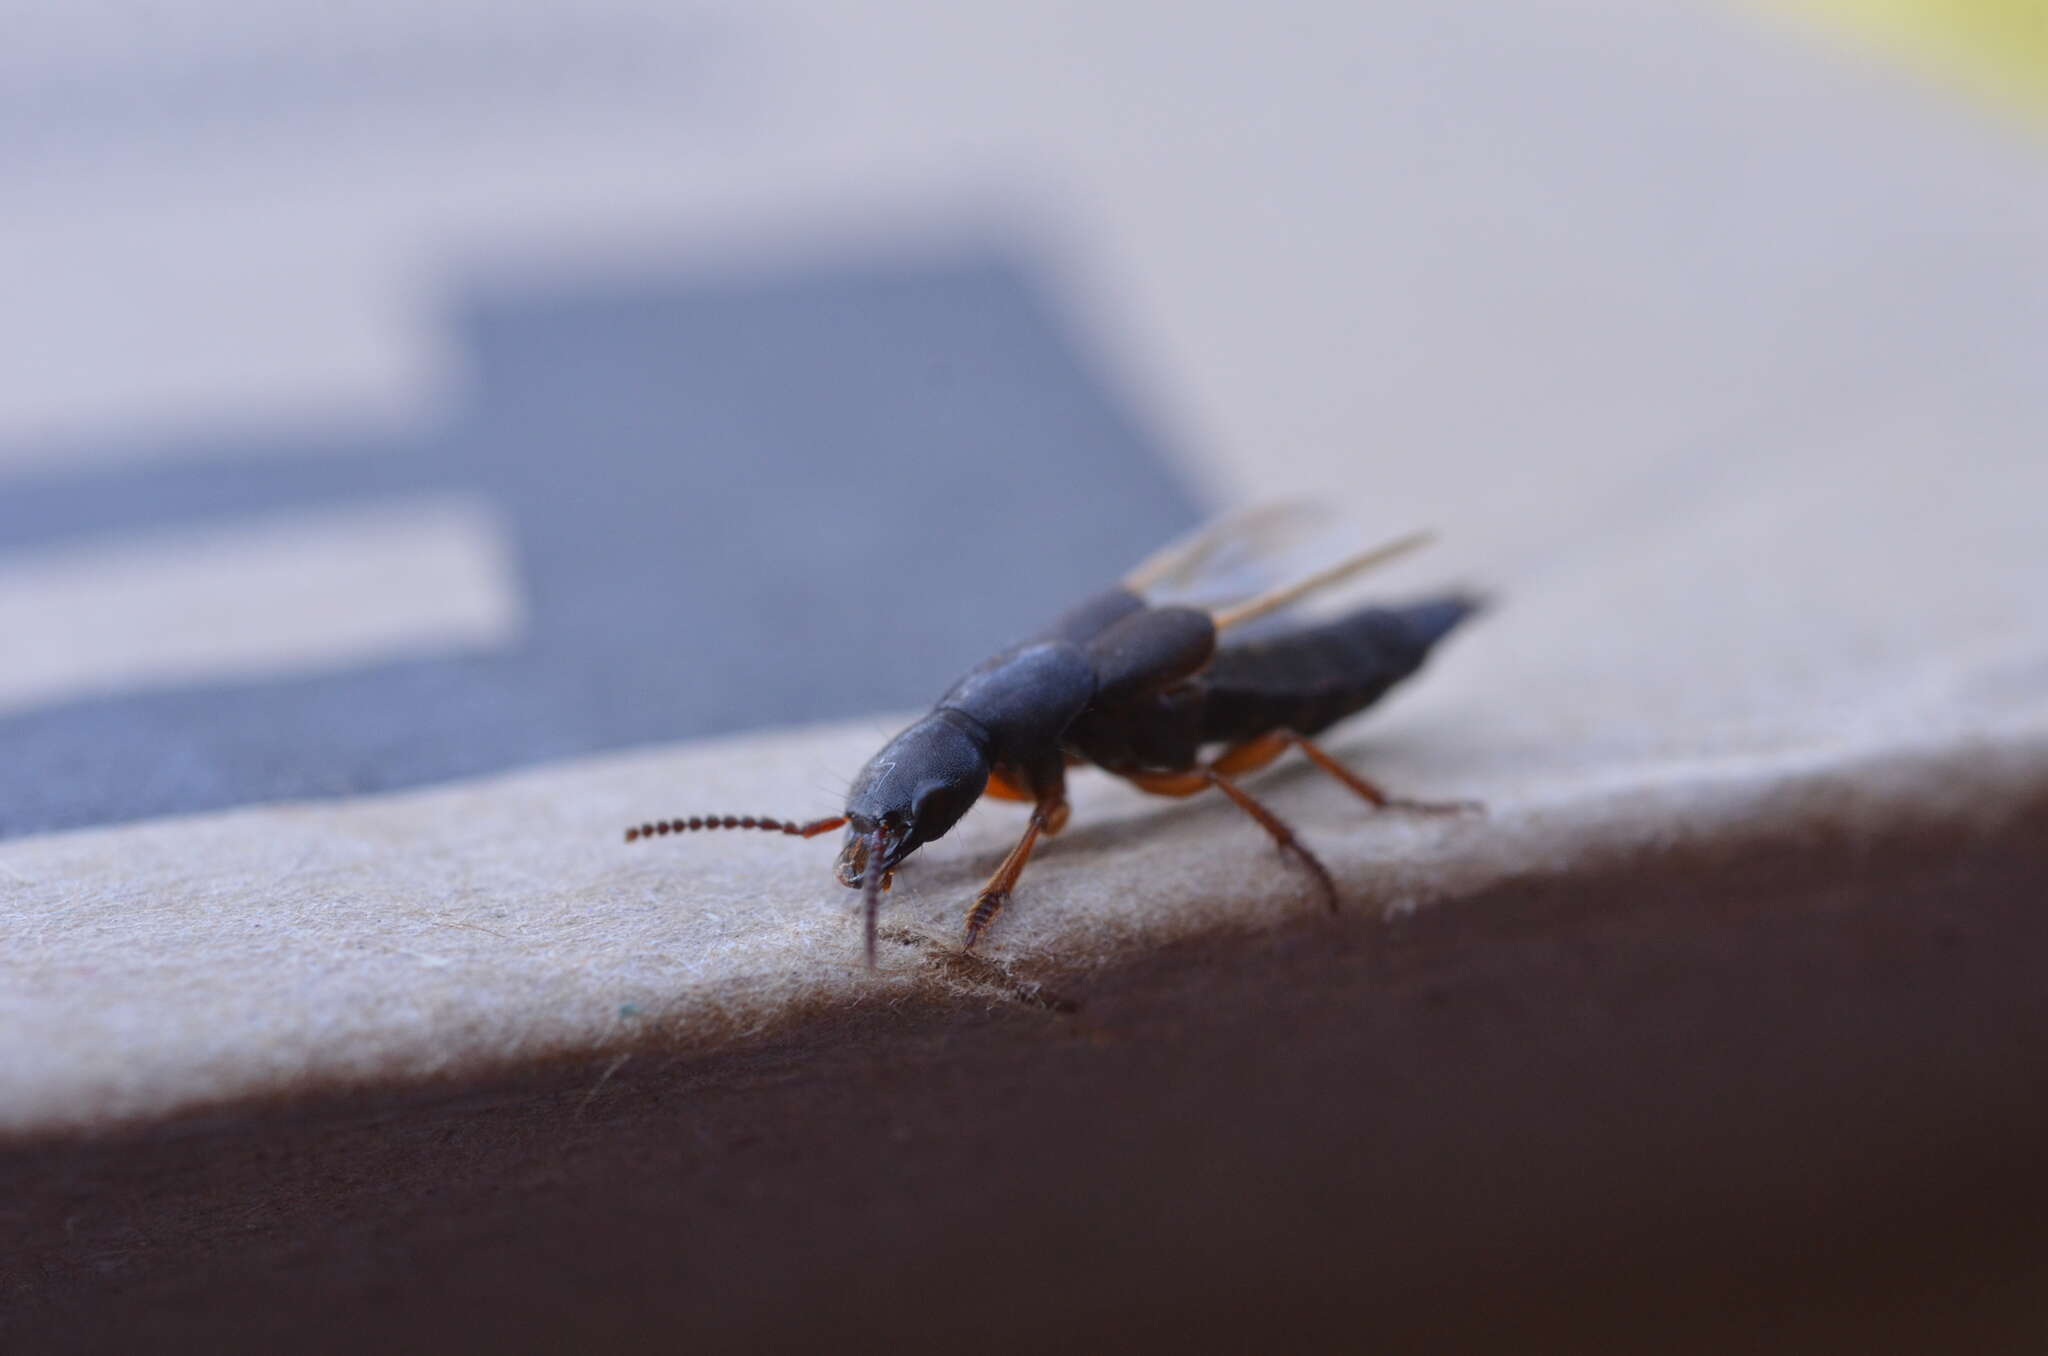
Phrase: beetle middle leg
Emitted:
{"points": [[1214, 774]]}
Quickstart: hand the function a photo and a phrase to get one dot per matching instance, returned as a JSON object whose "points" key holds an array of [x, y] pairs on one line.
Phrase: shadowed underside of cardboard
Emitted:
{"points": [[462, 1063]]}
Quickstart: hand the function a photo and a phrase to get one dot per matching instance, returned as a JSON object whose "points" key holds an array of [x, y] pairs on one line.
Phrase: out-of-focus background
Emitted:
{"points": [[398, 392], [392, 393]]}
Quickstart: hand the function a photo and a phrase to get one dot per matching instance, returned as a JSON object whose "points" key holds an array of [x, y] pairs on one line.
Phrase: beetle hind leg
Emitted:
{"points": [[1216, 774]]}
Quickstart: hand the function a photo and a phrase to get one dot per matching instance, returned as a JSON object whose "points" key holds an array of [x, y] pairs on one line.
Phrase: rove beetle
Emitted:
{"points": [[1141, 691]]}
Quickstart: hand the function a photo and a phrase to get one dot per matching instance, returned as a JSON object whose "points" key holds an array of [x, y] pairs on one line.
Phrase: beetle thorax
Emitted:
{"points": [[1025, 698]]}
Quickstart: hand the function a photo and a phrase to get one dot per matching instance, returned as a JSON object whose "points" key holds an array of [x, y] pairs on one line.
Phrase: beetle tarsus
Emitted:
{"points": [[987, 905]]}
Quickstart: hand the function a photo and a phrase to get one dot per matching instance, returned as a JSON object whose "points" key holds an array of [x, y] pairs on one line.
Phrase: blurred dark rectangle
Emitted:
{"points": [[733, 501]]}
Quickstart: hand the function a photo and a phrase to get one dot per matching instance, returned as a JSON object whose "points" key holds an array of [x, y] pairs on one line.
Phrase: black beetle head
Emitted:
{"points": [[910, 793]]}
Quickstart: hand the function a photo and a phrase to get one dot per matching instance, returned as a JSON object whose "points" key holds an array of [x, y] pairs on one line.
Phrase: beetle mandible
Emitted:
{"points": [[1140, 690]]}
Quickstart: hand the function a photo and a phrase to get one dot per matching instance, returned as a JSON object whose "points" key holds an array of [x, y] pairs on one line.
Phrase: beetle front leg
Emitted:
{"points": [[1048, 816]]}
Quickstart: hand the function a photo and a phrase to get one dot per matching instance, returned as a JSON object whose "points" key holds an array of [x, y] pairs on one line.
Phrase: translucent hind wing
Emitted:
{"points": [[1230, 543]]}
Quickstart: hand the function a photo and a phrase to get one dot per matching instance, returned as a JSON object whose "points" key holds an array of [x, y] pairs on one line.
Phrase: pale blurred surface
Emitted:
{"points": [[728, 315]]}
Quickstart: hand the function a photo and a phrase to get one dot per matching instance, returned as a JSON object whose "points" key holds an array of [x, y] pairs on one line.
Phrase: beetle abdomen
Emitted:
{"points": [[1308, 680]]}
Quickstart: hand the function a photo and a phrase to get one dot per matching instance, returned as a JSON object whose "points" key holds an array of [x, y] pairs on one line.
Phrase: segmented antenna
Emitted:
{"points": [[1251, 531], [695, 822]]}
